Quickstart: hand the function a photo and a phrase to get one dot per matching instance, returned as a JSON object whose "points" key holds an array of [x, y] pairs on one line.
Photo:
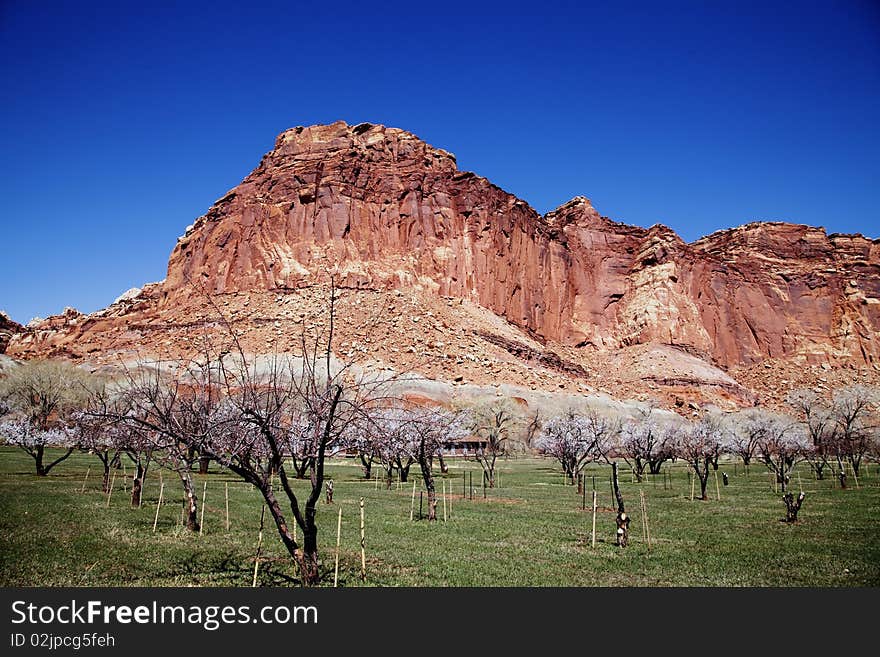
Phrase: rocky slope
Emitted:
{"points": [[8, 328], [567, 292]]}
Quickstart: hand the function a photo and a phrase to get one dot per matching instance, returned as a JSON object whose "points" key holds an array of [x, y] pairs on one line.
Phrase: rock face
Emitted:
{"points": [[459, 281], [387, 211], [8, 328]]}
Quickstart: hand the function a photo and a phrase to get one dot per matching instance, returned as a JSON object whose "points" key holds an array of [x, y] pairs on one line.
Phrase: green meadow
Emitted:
{"points": [[60, 530]]}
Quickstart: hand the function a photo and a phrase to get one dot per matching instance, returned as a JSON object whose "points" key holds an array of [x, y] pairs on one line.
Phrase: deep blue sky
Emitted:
{"points": [[122, 123]]}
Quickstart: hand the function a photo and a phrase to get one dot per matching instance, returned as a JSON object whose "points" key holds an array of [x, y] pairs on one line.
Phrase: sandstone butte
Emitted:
{"points": [[570, 300]]}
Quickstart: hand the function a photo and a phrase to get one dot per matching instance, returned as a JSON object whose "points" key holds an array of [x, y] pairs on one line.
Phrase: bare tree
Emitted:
{"points": [[251, 415], [698, 444], [173, 406], [645, 443], [21, 433], [96, 436], [782, 445], [361, 440], [390, 437], [493, 423], [533, 427], [854, 411], [426, 430], [138, 446], [817, 419], [743, 432], [576, 439], [105, 434], [40, 396]]}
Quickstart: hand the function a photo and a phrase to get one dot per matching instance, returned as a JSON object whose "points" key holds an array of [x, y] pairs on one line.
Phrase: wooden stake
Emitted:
{"points": [[227, 506], [110, 492], [855, 476], [717, 490], [693, 479], [363, 546], [444, 500], [642, 509], [202, 515], [83, 489], [645, 519], [259, 547], [594, 519], [412, 503], [338, 534], [159, 505]]}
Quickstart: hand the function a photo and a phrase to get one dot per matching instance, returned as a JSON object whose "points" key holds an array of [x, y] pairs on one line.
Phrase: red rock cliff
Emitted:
{"points": [[387, 210]]}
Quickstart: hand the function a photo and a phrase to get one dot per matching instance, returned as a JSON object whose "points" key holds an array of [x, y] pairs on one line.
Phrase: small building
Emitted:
{"points": [[465, 447]]}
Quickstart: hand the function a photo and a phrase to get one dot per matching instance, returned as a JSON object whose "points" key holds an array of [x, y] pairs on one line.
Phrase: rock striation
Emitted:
{"points": [[387, 211], [469, 285], [8, 328]]}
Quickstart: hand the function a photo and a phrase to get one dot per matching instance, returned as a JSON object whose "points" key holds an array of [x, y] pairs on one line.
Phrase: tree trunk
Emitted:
{"points": [[432, 504], [427, 474], [404, 472], [105, 481], [389, 477], [639, 470], [704, 482], [137, 483], [203, 464], [792, 506], [300, 468], [39, 452], [444, 467], [190, 500], [855, 463], [308, 557], [366, 466], [38, 457], [622, 519], [654, 467]]}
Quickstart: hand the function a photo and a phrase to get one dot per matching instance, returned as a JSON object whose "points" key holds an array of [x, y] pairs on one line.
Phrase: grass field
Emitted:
{"points": [[530, 532]]}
